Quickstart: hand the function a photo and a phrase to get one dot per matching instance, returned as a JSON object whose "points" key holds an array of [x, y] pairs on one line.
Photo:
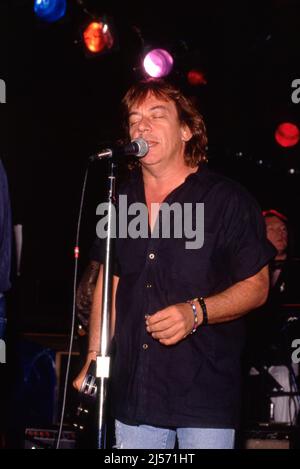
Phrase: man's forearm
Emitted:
{"points": [[85, 293], [238, 299], [95, 320]]}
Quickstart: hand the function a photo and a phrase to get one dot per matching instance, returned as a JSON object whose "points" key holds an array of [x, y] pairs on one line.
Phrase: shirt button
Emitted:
{"points": [[151, 256], [145, 346]]}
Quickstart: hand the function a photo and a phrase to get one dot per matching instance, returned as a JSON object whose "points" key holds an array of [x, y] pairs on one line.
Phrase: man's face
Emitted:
{"points": [[157, 122], [277, 233]]}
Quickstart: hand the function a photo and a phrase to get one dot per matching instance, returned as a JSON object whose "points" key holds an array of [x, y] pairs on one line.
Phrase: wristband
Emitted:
{"points": [[204, 311]]}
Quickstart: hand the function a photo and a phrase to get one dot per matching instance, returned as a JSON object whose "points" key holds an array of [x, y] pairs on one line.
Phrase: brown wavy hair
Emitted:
{"points": [[195, 149]]}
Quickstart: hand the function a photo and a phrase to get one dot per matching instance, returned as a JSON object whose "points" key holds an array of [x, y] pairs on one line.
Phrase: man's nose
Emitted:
{"points": [[144, 124]]}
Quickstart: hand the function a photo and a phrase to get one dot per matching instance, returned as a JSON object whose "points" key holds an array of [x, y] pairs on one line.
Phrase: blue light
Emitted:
{"points": [[50, 10]]}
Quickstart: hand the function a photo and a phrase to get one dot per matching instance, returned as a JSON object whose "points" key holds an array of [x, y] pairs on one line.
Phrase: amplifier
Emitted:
{"points": [[45, 438], [257, 443], [270, 437]]}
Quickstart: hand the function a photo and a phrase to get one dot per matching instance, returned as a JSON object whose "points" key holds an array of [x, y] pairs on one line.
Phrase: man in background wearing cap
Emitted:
{"points": [[274, 326]]}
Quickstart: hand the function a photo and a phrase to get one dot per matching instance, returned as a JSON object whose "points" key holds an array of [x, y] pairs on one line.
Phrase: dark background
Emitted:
{"points": [[61, 106]]}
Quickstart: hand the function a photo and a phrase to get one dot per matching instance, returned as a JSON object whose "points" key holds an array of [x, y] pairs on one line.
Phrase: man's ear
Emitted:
{"points": [[186, 133]]}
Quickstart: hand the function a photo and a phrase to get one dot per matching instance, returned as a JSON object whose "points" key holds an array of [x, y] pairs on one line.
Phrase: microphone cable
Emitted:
{"points": [[71, 341]]}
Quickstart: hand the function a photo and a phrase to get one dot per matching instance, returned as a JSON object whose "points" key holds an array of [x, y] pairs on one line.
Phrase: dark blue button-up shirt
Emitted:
{"points": [[195, 383]]}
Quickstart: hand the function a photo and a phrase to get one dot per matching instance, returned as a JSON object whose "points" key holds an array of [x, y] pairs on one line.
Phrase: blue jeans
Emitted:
{"points": [[147, 437], [2, 317]]}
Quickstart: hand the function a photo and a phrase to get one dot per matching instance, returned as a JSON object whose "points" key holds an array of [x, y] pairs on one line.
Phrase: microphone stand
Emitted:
{"points": [[103, 359]]}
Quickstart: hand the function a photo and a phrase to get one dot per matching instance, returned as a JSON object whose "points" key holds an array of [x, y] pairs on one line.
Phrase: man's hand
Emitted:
{"points": [[172, 324], [77, 383]]}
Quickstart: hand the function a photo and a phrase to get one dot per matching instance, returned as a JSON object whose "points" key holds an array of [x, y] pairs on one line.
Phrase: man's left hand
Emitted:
{"points": [[172, 324]]}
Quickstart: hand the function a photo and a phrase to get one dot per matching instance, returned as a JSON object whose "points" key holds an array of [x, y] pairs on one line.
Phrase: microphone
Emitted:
{"points": [[137, 147]]}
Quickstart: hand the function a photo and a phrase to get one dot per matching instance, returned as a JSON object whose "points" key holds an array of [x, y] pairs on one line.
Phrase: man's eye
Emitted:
{"points": [[132, 123]]}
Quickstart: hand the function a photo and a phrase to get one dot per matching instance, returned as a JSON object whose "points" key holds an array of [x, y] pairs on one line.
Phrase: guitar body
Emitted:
{"points": [[85, 420]]}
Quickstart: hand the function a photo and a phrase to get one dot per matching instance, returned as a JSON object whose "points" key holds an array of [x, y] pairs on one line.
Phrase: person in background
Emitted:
{"points": [[5, 246], [272, 328], [284, 291], [5, 267]]}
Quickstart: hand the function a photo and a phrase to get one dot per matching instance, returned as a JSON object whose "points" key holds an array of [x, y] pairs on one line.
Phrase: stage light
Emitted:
{"points": [[50, 10], [98, 37], [196, 77], [158, 63], [287, 134]]}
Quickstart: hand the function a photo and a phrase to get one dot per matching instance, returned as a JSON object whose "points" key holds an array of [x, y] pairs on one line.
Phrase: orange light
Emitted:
{"points": [[97, 37], [287, 134]]}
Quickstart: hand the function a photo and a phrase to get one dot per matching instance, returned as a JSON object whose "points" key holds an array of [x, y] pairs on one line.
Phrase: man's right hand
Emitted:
{"points": [[77, 383]]}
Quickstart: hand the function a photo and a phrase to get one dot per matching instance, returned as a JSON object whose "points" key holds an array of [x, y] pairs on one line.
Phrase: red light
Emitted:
{"points": [[287, 134], [196, 78], [97, 37]]}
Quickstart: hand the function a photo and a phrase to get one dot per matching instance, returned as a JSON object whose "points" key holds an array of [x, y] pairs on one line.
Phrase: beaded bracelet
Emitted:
{"points": [[191, 302]]}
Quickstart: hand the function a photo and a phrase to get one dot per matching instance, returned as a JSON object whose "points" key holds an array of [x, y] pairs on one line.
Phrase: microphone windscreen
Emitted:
{"points": [[143, 147]]}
